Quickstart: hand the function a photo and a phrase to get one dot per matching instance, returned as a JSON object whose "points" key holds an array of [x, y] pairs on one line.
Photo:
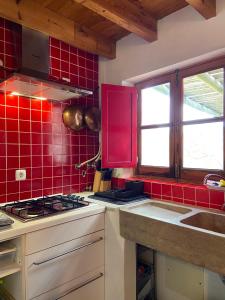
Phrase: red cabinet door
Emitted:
{"points": [[119, 126]]}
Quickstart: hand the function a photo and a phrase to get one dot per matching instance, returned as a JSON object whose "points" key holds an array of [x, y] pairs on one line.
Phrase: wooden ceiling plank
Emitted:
{"points": [[31, 14], [126, 15], [207, 8]]}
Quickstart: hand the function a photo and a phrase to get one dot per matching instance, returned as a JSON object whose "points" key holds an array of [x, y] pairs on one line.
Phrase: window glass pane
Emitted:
{"points": [[155, 147], [155, 104], [203, 146], [203, 95]]}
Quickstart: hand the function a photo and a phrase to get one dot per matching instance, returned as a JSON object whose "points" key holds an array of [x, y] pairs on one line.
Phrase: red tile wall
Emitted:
{"points": [[32, 134], [197, 195]]}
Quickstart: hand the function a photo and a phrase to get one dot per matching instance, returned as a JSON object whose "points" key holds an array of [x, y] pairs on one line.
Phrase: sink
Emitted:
{"points": [[159, 210], [208, 221]]}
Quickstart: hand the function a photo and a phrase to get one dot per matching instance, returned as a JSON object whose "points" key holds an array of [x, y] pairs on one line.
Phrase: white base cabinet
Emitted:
{"points": [[68, 266]]}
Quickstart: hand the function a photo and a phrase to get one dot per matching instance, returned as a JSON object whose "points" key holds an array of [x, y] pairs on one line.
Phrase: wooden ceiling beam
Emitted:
{"points": [[125, 14], [207, 8], [31, 14]]}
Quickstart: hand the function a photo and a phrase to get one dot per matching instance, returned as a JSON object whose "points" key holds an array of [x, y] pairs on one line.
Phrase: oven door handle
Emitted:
{"points": [[81, 285], [68, 252]]}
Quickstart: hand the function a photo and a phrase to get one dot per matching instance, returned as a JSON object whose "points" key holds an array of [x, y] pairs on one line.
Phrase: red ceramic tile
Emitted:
{"points": [[189, 193], [11, 112], [25, 150], [25, 185], [216, 197], [12, 187], [35, 104], [166, 198], [166, 190], [121, 183], [156, 196], [25, 195], [202, 204], [36, 161], [3, 198], [36, 138], [189, 202], [24, 114], [12, 101], [24, 126], [156, 189], [2, 188], [12, 137], [177, 191], [2, 111], [3, 149], [12, 162], [180, 200], [2, 175], [37, 184], [25, 162], [55, 52], [13, 197], [202, 195], [12, 150], [25, 138], [2, 124], [215, 206]]}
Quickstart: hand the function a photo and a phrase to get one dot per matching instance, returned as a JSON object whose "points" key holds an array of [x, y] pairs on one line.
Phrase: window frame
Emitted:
{"points": [[175, 78]]}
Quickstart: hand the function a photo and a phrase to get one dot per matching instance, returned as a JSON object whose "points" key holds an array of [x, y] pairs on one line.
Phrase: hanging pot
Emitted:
{"points": [[73, 117], [92, 118]]}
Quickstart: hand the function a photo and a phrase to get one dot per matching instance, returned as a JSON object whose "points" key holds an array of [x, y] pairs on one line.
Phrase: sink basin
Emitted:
{"points": [[208, 221], [159, 210]]}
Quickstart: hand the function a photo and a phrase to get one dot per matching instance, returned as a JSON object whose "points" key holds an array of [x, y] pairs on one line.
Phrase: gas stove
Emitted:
{"points": [[43, 207]]}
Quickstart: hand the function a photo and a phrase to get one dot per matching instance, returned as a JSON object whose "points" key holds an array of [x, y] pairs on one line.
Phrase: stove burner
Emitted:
{"points": [[41, 207]]}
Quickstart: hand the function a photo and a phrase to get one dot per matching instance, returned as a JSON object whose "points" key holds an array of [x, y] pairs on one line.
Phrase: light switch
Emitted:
{"points": [[20, 175]]}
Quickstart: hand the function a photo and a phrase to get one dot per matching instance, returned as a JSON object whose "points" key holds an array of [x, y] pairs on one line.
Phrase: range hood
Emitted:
{"points": [[32, 77]]}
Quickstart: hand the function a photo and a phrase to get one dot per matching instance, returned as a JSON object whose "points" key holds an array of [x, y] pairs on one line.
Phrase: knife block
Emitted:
{"points": [[105, 185]]}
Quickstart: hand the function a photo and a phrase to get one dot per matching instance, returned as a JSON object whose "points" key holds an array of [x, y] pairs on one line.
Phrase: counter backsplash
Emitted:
{"points": [[32, 135], [197, 195]]}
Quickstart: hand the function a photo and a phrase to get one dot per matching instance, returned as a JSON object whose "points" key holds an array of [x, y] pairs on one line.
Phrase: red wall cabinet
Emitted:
{"points": [[119, 126]]}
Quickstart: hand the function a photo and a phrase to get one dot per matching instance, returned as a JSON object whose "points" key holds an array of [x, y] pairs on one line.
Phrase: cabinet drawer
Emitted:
{"points": [[87, 287], [51, 268], [87, 291], [55, 235]]}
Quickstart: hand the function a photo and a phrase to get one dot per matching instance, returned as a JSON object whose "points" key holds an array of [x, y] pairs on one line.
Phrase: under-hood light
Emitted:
{"points": [[33, 97]]}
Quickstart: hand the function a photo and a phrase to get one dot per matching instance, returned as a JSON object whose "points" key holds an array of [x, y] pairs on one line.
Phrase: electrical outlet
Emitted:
{"points": [[20, 175]]}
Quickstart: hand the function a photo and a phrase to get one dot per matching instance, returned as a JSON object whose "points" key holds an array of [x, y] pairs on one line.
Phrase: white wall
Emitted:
{"points": [[182, 36]]}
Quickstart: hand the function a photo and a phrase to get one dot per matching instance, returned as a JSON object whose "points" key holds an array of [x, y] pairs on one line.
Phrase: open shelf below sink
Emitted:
{"points": [[9, 269]]}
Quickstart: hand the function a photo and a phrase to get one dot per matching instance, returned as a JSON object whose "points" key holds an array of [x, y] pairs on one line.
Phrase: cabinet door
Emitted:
{"points": [[119, 126]]}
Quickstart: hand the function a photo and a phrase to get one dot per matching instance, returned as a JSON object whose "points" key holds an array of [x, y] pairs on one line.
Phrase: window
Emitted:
{"points": [[181, 123]]}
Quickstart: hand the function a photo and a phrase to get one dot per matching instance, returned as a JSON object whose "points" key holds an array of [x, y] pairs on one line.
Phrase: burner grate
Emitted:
{"points": [[42, 207]]}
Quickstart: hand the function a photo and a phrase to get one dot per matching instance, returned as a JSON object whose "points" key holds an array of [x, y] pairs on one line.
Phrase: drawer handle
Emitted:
{"points": [[68, 252], [81, 285]]}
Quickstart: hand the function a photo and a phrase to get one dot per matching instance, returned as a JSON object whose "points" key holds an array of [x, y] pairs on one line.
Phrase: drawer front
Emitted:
{"points": [[55, 235], [89, 291], [87, 287], [53, 267]]}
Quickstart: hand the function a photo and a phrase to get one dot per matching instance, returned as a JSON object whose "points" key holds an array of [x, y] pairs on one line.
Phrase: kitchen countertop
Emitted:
{"points": [[19, 228], [166, 233], [96, 206]]}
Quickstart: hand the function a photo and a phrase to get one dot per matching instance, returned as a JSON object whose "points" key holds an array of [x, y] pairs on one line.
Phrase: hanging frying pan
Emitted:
{"points": [[73, 117], [92, 118]]}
